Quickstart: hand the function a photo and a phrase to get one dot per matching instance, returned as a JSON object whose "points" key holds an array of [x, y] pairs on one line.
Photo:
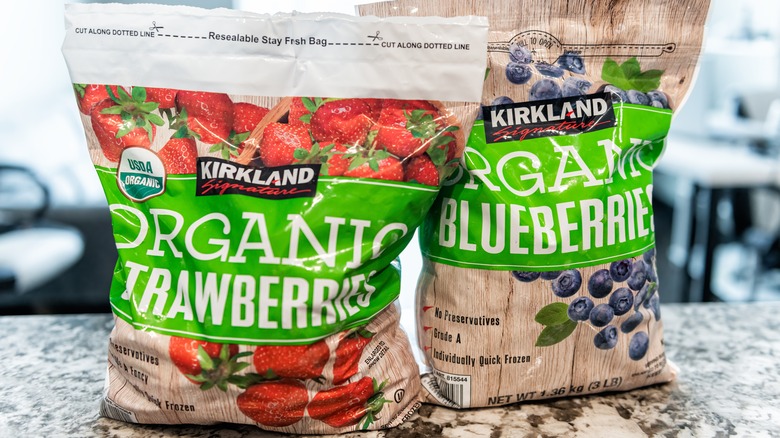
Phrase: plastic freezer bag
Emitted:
{"points": [[543, 240], [263, 173]]}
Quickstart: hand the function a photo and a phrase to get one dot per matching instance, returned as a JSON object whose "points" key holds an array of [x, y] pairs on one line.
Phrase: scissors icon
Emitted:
{"points": [[155, 27], [376, 37]]}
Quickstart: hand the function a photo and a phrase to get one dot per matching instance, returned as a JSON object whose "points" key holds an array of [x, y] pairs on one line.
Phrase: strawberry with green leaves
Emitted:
{"points": [[403, 133], [89, 95], [292, 361], [123, 120], [355, 403], [281, 142], [301, 109], [333, 158], [246, 116], [348, 353], [344, 121], [207, 364], [209, 116], [275, 403], [376, 164]]}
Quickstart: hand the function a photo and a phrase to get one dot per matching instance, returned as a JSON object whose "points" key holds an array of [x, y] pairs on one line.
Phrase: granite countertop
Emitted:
{"points": [[53, 368]]}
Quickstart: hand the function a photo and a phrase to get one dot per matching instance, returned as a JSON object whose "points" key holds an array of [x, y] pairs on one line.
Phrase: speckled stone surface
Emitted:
{"points": [[52, 370]]}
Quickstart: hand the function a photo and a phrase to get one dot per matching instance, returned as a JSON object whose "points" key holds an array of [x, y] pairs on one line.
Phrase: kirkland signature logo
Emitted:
{"points": [[547, 118], [221, 177]]}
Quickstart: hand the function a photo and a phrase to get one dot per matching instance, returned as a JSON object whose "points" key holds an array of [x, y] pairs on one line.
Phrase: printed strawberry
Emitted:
{"points": [[276, 403], [408, 105], [348, 353], [331, 156], [179, 155], [379, 165], [356, 403], [422, 170], [281, 141], [375, 106], [294, 361], [246, 116], [166, 97], [337, 163], [343, 121], [205, 363], [404, 133], [301, 109], [89, 95], [208, 115], [124, 120]]}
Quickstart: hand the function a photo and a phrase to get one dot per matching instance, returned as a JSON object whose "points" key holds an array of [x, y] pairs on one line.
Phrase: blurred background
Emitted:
{"points": [[716, 197]]}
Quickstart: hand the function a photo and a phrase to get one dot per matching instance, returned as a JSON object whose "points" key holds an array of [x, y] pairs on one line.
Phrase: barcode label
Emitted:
{"points": [[110, 409], [453, 390]]}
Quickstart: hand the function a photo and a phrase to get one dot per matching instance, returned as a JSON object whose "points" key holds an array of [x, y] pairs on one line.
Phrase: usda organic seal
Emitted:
{"points": [[141, 174]]}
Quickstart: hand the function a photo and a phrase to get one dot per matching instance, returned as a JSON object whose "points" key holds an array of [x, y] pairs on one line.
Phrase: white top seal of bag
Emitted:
{"points": [[312, 54]]}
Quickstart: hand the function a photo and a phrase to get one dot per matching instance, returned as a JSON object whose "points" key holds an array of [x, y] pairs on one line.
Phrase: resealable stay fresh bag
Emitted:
{"points": [[542, 243], [263, 173]]}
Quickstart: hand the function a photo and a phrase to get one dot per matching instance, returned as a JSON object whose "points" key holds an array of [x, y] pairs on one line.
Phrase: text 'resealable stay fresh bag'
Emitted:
{"points": [[263, 173]]}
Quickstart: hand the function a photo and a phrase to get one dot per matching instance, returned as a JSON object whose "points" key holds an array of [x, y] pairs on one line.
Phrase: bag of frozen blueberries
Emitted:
{"points": [[539, 276], [263, 173]]}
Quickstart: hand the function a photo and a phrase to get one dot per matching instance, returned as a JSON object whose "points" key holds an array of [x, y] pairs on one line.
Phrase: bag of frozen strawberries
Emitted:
{"points": [[543, 241], [263, 173]]}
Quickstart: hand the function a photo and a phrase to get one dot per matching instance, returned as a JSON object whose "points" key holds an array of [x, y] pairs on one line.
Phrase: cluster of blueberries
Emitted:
{"points": [[641, 289], [520, 71]]}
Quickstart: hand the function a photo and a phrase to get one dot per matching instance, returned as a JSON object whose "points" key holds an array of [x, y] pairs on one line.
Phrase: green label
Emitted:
{"points": [[550, 203], [236, 268]]}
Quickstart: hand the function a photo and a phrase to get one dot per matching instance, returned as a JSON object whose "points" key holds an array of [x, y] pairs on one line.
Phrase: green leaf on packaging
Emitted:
{"points": [[553, 314], [629, 75], [552, 334]]}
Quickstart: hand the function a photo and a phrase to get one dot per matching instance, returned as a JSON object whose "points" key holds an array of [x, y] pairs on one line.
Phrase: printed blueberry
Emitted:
{"points": [[550, 275], [638, 275], [649, 255], [637, 346], [525, 276], [606, 338], [518, 73], [600, 284], [548, 70], [632, 322], [621, 301], [567, 284], [620, 270], [579, 309], [572, 62], [650, 272], [601, 315], [655, 306], [644, 294], [574, 86], [618, 95], [545, 89], [520, 54], [638, 97], [502, 100], [658, 97]]}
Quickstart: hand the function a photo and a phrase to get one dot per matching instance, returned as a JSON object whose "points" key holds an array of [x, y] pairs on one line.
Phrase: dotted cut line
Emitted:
{"points": [[205, 38], [182, 36]]}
